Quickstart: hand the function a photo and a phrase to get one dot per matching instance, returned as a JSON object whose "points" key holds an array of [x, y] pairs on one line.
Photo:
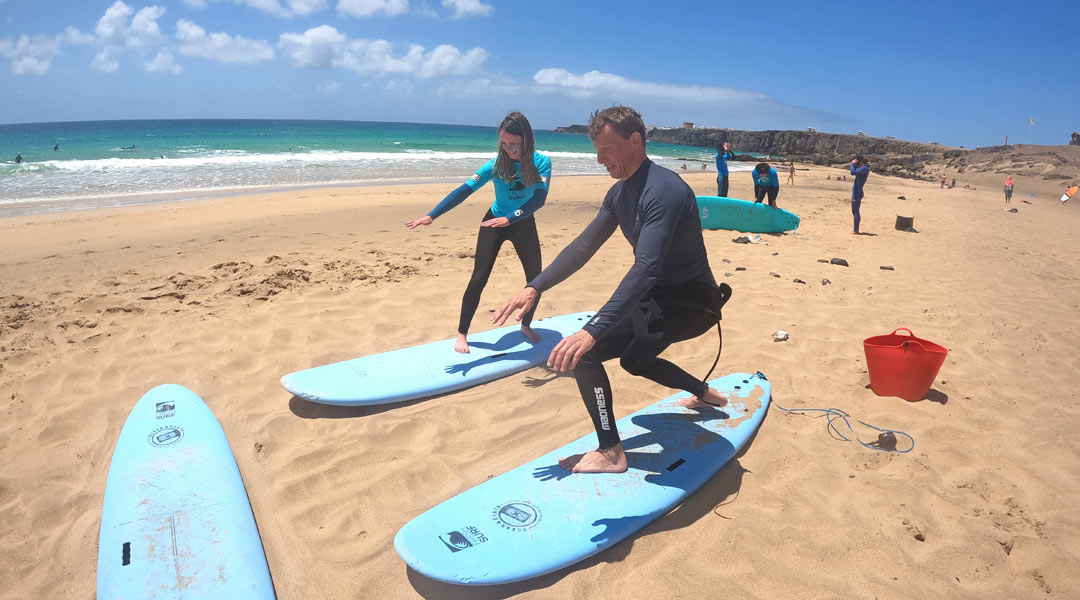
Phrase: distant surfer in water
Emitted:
{"points": [[521, 177], [860, 168], [668, 295]]}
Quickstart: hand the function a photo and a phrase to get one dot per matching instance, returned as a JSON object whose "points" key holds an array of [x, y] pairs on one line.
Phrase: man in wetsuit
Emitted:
{"points": [[723, 154], [667, 296]]}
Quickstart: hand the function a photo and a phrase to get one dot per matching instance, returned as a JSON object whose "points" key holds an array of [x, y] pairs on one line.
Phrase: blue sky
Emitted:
{"points": [[959, 73]]}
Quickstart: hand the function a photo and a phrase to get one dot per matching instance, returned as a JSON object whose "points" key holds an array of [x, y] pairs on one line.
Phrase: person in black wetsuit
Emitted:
{"points": [[668, 295]]}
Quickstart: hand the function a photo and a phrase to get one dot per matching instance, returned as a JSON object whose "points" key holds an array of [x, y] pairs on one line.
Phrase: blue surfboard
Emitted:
{"points": [[539, 518], [176, 521], [718, 212], [431, 369]]}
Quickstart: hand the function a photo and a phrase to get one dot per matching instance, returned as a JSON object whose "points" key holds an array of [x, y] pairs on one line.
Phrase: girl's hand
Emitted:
{"points": [[424, 220], [496, 222]]}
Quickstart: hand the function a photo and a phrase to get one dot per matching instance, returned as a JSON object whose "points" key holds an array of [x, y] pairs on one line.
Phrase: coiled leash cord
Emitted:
{"points": [[886, 440]]}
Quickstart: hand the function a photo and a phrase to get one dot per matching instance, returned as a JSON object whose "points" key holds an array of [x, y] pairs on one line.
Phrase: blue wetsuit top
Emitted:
{"points": [[658, 214], [860, 178], [513, 199], [721, 161], [770, 180]]}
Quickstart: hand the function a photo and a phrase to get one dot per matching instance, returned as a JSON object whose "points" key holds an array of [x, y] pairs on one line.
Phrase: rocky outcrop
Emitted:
{"points": [[573, 129], [1075, 141], [888, 156]]}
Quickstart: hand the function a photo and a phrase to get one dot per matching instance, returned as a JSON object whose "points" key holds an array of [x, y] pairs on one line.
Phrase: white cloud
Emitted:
{"points": [[595, 83], [30, 55], [328, 88], [403, 89], [116, 35], [324, 47], [468, 8], [163, 63], [368, 8], [291, 8], [220, 47]]}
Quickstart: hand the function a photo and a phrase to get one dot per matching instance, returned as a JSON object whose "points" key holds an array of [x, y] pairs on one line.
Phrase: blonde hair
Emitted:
{"points": [[515, 123]]}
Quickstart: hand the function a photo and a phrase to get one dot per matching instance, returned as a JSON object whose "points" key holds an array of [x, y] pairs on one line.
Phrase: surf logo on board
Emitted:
{"points": [[164, 410], [165, 436], [517, 515], [456, 541]]}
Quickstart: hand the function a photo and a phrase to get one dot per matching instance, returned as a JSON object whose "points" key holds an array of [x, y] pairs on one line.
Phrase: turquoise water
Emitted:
{"points": [[110, 163]]}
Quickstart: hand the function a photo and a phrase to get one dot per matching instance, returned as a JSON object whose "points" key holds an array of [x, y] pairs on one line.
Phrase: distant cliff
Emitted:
{"points": [[888, 156]]}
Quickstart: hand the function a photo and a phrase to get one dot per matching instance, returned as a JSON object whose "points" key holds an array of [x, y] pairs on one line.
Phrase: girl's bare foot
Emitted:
{"points": [[461, 344]]}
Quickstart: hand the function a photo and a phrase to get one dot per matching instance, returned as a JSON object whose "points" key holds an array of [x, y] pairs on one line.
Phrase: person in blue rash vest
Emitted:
{"points": [[860, 168], [521, 177], [765, 183], [668, 295], [723, 154]]}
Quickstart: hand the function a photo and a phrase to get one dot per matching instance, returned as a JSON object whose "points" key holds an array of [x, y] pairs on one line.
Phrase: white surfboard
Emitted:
{"points": [[176, 522], [432, 369], [539, 518]]}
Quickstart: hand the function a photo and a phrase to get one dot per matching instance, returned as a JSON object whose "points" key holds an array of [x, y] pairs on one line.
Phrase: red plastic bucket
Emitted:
{"points": [[902, 365]]}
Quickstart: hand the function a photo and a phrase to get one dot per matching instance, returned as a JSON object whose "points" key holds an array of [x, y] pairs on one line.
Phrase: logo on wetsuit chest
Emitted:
{"points": [[601, 405]]}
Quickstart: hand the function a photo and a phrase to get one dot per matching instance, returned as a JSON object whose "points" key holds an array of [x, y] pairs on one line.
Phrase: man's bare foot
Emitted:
{"points": [[461, 345], [712, 397], [529, 333], [610, 460]]}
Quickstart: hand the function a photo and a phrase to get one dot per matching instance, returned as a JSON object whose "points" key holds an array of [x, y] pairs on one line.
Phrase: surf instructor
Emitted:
{"points": [[521, 178], [668, 295]]}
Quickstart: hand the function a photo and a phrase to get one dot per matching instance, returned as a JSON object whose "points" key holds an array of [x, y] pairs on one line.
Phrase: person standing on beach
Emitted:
{"points": [[1069, 193], [521, 177], [723, 154], [860, 168], [668, 295], [791, 173], [1008, 189], [765, 183]]}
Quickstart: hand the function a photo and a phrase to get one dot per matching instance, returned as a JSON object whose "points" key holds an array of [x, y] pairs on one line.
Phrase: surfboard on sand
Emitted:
{"points": [[539, 518], [176, 522], [431, 369], [718, 212]]}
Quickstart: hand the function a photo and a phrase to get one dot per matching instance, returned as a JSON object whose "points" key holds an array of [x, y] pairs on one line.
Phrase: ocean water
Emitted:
{"points": [[111, 163]]}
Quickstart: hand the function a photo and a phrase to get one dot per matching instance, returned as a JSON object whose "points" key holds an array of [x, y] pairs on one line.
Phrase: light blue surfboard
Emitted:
{"points": [[718, 212], [176, 522], [434, 368], [539, 518]]}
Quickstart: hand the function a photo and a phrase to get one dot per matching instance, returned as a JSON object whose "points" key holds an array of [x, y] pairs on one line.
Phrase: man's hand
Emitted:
{"points": [[569, 350], [424, 220], [522, 301], [496, 222]]}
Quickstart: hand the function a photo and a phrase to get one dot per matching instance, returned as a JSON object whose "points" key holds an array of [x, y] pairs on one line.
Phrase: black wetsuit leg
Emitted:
{"points": [[488, 241], [526, 243], [638, 348], [722, 182]]}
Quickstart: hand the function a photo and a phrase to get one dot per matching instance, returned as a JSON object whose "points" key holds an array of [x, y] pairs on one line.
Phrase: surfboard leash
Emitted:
{"points": [[886, 440]]}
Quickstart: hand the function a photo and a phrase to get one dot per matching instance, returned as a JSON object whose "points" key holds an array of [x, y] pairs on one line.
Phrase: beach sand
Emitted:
{"points": [[224, 296]]}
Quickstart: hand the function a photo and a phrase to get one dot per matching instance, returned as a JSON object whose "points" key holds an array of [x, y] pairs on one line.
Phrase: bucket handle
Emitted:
{"points": [[913, 337]]}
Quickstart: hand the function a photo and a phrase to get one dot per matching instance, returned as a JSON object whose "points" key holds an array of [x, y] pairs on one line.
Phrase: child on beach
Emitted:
{"points": [[1008, 189], [860, 168], [765, 183], [521, 178]]}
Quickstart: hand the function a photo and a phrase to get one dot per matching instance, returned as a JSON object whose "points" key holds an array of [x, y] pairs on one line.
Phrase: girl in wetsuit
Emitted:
{"points": [[521, 178]]}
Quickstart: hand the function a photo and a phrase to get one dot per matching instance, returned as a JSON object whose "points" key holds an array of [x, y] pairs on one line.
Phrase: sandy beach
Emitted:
{"points": [[224, 296]]}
